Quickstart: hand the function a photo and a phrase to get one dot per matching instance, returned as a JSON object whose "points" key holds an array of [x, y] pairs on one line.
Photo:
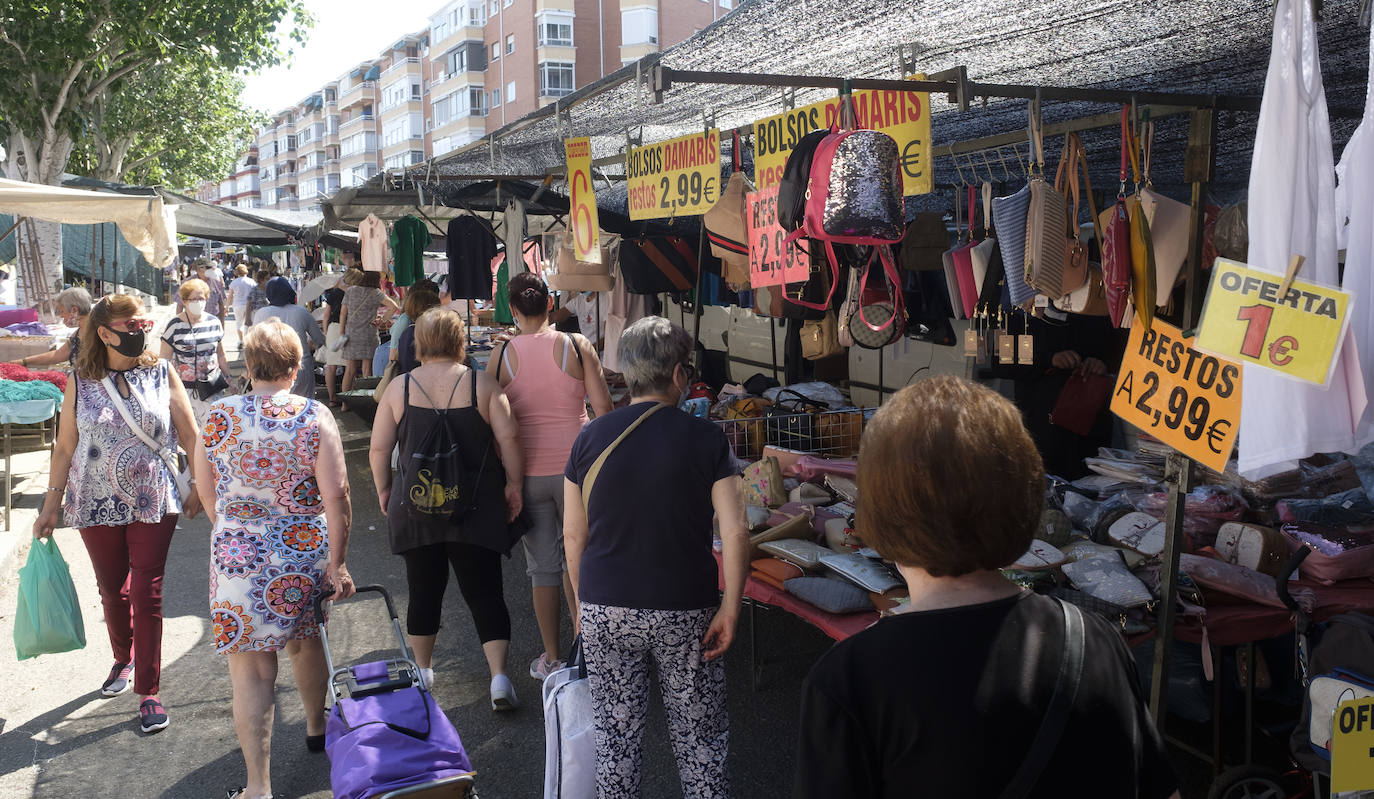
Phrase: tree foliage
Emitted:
{"points": [[60, 60], [172, 124]]}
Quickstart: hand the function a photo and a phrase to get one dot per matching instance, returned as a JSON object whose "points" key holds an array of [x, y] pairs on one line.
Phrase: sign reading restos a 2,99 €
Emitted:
{"points": [[583, 223]]}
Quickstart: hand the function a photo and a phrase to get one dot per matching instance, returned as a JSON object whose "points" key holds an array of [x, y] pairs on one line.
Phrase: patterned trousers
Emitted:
{"points": [[619, 645]]}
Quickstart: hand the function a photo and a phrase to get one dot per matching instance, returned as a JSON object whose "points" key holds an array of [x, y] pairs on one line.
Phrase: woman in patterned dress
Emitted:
{"points": [[360, 304], [119, 492], [276, 489]]}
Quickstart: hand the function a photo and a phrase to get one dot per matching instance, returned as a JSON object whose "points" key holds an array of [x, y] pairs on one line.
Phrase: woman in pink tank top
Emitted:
{"points": [[549, 378]]}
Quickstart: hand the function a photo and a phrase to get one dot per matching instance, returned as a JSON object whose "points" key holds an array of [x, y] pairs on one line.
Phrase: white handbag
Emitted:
{"points": [[1169, 220], [168, 456], [569, 732]]}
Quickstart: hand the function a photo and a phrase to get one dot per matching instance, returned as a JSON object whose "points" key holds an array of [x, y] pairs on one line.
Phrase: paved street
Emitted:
{"points": [[60, 739]]}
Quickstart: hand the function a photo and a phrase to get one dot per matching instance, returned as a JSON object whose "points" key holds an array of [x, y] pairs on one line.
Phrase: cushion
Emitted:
{"points": [[869, 575], [829, 594], [806, 554], [775, 571]]}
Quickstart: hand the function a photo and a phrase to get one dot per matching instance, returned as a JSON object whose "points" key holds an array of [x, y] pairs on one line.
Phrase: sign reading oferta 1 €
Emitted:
{"points": [[678, 177], [1298, 333], [583, 221], [905, 116]]}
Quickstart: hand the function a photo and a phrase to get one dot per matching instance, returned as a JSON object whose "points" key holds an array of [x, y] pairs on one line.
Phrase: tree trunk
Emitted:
{"points": [[40, 161]]}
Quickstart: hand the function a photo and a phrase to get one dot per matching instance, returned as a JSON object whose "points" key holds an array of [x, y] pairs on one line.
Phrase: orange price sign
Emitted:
{"points": [[582, 200], [772, 262]]}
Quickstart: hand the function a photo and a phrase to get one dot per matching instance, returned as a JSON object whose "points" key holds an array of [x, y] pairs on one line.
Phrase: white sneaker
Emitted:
{"points": [[427, 679], [503, 694], [541, 667]]}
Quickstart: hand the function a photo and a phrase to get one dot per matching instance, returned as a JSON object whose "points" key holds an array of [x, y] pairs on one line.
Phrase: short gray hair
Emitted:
{"points": [[649, 351], [75, 298]]}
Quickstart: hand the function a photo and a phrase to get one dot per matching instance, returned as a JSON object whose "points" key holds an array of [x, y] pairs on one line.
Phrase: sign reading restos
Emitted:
{"points": [[772, 262], [582, 220], [677, 177], [905, 116]]}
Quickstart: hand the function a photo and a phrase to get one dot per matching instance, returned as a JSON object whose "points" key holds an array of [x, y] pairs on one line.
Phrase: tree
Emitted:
{"points": [[172, 125], [59, 58]]}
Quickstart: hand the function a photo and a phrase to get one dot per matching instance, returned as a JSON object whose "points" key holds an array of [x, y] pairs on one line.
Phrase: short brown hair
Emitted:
{"points": [[271, 349], [92, 362], [950, 479], [191, 286], [418, 301], [370, 280], [263, 276], [439, 334]]}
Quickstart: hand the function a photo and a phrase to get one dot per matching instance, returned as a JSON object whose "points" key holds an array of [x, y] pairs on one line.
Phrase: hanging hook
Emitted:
{"points": [[959, 181], [1006, 173]]}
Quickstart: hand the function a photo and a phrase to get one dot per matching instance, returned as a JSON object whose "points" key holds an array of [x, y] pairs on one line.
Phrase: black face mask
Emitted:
{"points": [[131, 344]]}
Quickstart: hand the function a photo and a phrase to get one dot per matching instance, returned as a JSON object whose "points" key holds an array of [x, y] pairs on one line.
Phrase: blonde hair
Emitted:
{"points": [[240, 270], [93, 362], [192, 286], [271, 349], [439, 333]]}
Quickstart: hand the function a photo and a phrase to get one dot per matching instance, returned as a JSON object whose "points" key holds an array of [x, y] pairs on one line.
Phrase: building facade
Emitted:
{"points": [[481, 64]]}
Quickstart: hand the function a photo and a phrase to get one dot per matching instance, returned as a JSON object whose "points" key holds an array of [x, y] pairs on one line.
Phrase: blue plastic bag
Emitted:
{"points": [[48, 619]]}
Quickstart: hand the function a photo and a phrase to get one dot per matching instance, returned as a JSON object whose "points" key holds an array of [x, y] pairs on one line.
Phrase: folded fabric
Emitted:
{"points": [[19, 374], [829, 594], [16, 391]]}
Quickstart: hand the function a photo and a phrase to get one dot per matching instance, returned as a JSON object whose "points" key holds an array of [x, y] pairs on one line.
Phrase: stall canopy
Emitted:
{"points": [[1180, 46], [142, 220]]}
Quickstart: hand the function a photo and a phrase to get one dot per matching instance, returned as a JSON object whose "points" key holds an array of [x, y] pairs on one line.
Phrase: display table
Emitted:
{"points": [[24, 412]]}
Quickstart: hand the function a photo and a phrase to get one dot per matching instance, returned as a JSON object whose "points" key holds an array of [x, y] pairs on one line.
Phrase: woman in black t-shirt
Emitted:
{"points": [[946, 699]]}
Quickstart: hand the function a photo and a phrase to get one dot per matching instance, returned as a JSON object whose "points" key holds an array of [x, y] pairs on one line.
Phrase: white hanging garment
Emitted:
{"points": [[1292, 212], [513, 234], [1355, 201]]}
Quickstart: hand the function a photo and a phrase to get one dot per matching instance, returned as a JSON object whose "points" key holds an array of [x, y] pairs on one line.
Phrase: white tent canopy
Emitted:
{"points": [[144, 221]]}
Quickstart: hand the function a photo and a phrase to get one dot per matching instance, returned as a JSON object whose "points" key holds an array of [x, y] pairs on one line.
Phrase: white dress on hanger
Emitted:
{"points": [[1355, 201], [1292, 212]]}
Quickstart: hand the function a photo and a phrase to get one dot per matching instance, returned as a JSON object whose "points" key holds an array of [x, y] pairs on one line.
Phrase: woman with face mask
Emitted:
{"points": [[73, 305], [193, 342], [119, 492]]}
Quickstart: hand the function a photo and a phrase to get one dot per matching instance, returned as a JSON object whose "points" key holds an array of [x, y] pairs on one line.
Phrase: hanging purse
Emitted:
{"points": [[1066, 181], [963, 263], [1046, 220], [1116, 243], [820, 338], [1009, 218], [1089, 299], [925, 239], [1143, 289], [725, 225], [980, 256], [848, 308], [1168, 220]]}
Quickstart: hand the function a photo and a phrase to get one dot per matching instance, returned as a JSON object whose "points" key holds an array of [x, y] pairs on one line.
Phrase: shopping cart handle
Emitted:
{"points": [[362, 589], [1286, 573]]}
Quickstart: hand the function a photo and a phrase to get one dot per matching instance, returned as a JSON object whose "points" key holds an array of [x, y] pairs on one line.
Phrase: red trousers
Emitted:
{"points": [[129, 561]]}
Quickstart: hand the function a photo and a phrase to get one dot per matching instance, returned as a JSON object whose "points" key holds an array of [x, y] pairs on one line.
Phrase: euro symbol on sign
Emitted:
{"points": [[1215, 436], [911, 158]]}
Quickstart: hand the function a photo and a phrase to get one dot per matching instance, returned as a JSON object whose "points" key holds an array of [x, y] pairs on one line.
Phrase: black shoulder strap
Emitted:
{"points": [[572, 342], [473, 372], [1057, 714]]}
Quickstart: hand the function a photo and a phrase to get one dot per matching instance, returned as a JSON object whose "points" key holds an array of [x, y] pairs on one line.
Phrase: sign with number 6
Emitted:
{"points": [[582, 219]]}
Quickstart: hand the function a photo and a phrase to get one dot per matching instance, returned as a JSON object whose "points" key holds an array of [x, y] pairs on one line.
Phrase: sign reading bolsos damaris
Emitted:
{"points": [[582, 219], [1298, 334], [905, 116], [772, 262], [678, 177], [1185, 398]]}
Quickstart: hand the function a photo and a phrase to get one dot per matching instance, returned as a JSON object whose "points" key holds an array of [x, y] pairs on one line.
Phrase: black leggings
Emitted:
{"points": [[479, 578]]}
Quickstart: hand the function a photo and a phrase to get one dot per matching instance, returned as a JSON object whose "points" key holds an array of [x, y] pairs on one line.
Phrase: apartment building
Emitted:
{"points": [[480, 64]]}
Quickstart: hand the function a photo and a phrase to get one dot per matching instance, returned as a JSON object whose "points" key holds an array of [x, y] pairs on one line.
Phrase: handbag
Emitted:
{"points": [[1116, 243], [1081, 401], [1009, 216], [763, 484], [169, 458], [1076, 263], [1046, 220], [725, 225], [963, 264], [569, 730], [790, 422], [1089, 299], [820, 339], [925, 239], [847, 309]]}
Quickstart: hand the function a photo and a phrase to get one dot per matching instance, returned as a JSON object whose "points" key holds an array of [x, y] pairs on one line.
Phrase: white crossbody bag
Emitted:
{"points": [[182, 478]]}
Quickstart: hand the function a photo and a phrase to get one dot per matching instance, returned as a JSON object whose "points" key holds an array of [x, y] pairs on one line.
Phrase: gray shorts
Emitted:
{"points": [[544, 559]]}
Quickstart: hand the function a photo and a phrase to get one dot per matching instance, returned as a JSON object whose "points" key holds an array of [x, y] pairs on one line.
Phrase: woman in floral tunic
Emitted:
{"points": [[279, 492]]}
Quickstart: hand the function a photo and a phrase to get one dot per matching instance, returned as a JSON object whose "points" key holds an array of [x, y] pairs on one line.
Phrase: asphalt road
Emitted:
{"points": [[60, 739]]}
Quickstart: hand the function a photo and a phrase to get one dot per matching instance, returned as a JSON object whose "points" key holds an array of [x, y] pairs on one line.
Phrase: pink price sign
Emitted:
{"points": [[773, 261]]}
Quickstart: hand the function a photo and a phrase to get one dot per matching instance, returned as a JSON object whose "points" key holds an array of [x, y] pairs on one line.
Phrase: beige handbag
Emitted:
{"points": [[725, 230], [567, 263], [820, 338], [1168, 220], [1046, 221]]}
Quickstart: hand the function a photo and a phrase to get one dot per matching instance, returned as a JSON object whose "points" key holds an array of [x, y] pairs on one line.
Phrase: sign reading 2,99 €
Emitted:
{"points": [[678, 177], [583, 223], [1185, 398]]}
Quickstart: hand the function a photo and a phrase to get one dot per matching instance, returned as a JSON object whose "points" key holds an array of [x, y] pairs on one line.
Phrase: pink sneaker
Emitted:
{"points": [[541, 667]]}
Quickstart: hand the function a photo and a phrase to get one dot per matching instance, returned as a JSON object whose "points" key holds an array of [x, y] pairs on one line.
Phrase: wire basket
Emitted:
{"points": [[832, 434]]}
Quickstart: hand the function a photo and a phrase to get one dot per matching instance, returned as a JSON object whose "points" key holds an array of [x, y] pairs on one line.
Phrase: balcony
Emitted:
{"points": [[353, 123], [405, 64], [358, 91], [470, 33]]}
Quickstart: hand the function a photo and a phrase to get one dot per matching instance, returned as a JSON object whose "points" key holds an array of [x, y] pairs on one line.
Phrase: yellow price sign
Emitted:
{"points": [[1352, 746], [1185, 398], [582, 220], [905, 116], [678, 177], [1297, 334]]}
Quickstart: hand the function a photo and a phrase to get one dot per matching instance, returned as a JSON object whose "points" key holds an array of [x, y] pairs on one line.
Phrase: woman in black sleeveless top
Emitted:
{"points": [[479, 421]]}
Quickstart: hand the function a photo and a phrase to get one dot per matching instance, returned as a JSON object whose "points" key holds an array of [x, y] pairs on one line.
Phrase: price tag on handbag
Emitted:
{"points": [[1025, 349], [971, 343], [1006, 347]]}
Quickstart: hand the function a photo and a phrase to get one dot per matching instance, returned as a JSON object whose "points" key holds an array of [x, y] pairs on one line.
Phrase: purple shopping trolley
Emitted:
{"points": [[386, 736]]}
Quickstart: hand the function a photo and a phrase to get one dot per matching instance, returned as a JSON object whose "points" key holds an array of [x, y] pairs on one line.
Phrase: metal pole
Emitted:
{"points": [[1178, 468], [701, 280]]}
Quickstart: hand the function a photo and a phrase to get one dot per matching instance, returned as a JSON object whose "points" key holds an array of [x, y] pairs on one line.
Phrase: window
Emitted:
{"points": [[476, 18], [477, 102], [416, 156], [415, 91], [510, 43], [441, 110], [555, 79], [508, 2], [495, 51], [555, 30], [495, 98], [639, 26], [439, 31], [727, 4], [510, 92], [495, 8]]}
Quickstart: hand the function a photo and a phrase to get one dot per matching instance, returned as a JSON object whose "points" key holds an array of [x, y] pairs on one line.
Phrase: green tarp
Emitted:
{"points": [[123, 263]]}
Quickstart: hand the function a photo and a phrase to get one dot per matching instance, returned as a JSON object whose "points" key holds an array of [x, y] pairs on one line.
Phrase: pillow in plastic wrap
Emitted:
{"points": [[829, 594]]}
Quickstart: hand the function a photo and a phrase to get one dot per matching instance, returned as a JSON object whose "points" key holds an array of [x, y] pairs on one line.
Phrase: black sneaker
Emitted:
{"points": [[152, 715], [118, 681]]}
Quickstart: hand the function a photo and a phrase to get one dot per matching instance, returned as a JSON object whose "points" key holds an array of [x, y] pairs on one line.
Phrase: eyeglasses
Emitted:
{"points": [[690, 371], [135, 324]]}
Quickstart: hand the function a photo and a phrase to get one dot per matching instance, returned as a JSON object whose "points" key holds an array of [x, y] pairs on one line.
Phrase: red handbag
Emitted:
{"points": [[1116, 244], [1081, 401]]}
